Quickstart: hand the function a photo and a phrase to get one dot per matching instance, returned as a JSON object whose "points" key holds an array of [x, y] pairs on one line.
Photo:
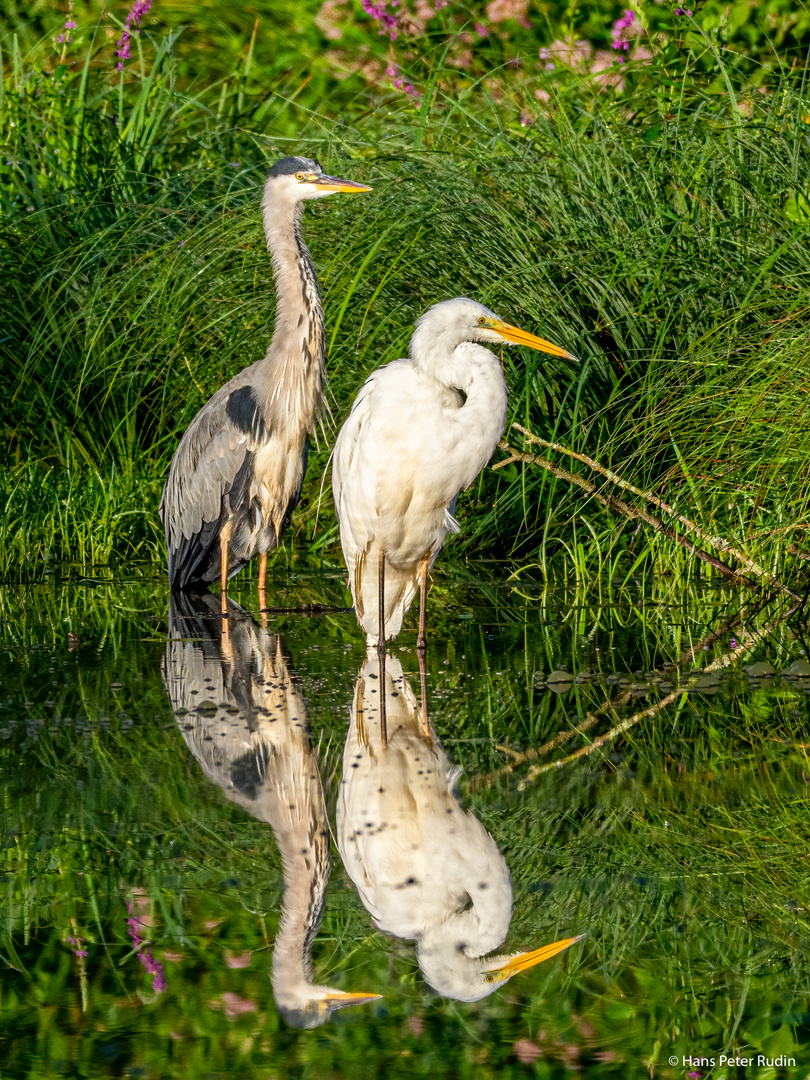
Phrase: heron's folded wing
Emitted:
{"points": [[354, 474], [209, 464]]}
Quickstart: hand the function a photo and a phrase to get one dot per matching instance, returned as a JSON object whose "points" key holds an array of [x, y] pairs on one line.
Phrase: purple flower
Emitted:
{"points": [[620, 28], [70, 24], [154, 968], [76, 943], [406, 88], [137, 12], [145, 955], [400, 83], [624, 21], [683, 11], [386, 19]]}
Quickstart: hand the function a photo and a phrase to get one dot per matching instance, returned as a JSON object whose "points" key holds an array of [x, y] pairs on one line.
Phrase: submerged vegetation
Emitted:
{"points": [[655, 224]]}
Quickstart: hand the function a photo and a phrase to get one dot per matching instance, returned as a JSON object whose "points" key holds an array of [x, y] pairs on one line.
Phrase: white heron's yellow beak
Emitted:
{"points": [[517, 336], [334, 183], [523, 961], [334, 1000]]}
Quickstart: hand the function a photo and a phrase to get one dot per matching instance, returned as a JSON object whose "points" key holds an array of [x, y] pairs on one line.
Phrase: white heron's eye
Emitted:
{"points": [[489, 978], [481, 320], [299, 176]]}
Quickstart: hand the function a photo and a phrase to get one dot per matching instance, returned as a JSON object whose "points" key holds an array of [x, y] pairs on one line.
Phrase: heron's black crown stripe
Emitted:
{"points": [[242, 409], [290, 165]]}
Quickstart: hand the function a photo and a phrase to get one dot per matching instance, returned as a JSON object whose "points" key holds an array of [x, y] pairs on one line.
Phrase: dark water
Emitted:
{"points": [[189, 823]]}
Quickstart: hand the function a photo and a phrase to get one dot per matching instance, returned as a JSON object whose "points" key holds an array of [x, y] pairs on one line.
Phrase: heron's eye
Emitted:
{"points": [[489, 978], [482, 322], [299, 176]]}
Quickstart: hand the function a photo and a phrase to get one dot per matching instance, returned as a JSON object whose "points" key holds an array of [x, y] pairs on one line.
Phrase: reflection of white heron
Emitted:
{"points": [[419, 431], [425, 869], [242, 715]]}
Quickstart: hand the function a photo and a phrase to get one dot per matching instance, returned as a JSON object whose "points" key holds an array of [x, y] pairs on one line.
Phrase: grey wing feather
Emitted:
{"points": [[209, 463]]}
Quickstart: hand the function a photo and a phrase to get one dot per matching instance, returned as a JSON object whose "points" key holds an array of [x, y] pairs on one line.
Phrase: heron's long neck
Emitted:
{"points": [[475, 371], [295, 357], [485, 407], [302, 835]]}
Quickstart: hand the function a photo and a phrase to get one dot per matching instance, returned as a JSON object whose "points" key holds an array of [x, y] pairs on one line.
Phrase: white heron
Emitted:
{"points": [[420, 431], [241, 712], [425, 869], [236, 476]]}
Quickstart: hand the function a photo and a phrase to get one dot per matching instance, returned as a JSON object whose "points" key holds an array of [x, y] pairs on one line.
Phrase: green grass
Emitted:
{"points": [[661, 236]]}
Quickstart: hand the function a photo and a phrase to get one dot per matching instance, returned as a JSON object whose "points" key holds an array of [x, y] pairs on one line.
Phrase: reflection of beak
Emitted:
{"points": [[526, 960], [523, 337], [334, 1000], [334, 183]]}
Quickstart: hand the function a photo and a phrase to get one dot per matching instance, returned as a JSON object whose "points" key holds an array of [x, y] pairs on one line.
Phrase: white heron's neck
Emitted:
{"points": [[295, 356], [474, 370], [450, 955]]}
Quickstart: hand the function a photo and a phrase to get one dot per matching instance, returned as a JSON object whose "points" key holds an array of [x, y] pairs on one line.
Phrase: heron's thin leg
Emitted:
{"points": [[421, 640], [262, 585], [423, 678], [381, 606], [224, 537], [381, 650]]}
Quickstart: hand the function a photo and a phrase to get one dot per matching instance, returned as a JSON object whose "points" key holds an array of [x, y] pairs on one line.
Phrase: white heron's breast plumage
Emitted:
{"points": [[415, 855], [400, 460]]}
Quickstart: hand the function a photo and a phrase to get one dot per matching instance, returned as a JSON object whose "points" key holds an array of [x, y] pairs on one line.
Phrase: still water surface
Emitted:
{"points": [[209, 843]]}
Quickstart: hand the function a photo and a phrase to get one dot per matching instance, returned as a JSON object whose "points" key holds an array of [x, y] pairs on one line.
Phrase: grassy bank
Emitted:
{"points": [[659, 233]]}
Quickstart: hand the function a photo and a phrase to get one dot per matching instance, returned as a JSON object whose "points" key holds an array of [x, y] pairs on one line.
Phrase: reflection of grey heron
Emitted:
{"points": [[242, 715], [419, 431], [425, 869], [237, 473]]}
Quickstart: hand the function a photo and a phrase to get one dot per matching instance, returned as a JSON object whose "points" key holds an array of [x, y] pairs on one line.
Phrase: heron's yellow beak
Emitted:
{"points": [[334, 183], [337, 1001], [522, 337], [526, 960]]}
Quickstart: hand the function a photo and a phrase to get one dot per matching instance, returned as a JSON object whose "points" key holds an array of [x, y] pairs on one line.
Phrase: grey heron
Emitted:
{"points": [[419, 431], [241, 712], [425, 869], [236, 475]]}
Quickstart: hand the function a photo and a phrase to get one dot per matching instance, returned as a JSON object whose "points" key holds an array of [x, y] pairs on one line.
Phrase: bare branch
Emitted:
{"points": [[717, 542]]}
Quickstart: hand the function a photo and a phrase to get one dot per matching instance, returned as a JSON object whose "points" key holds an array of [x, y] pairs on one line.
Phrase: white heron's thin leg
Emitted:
{"points": [[421, 640], [381, 649], [381, 606], [262, 587], [423, 679]]}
